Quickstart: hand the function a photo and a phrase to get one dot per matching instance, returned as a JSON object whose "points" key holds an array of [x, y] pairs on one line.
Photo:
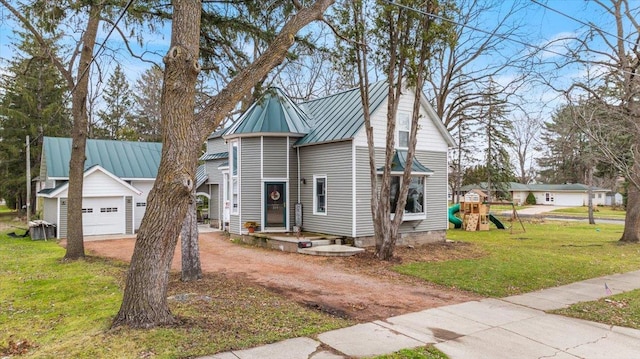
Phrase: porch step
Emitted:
{"points": [[331, 250]]}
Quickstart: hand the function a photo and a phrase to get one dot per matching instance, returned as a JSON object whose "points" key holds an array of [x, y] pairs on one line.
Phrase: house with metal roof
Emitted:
{"points": [[288, 165], [567, 194], [117, 179]]}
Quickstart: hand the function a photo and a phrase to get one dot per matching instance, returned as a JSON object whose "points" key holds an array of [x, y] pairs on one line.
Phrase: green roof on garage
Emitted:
{"points": [[125, 159]]}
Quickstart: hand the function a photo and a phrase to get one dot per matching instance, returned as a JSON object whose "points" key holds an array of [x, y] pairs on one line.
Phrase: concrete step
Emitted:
{"points": [[332, 250]]}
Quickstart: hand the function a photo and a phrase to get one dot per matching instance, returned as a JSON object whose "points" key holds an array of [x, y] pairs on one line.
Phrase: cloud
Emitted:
{"points": [[556, 46]]}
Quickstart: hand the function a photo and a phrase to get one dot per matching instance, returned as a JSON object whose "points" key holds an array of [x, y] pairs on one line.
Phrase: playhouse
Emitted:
{"points": [[474, 211]]}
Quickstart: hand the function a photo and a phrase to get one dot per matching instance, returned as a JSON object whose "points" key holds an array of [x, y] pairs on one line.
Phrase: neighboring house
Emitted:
{"points": [[570, 195], [117, 179], [286, 165]]}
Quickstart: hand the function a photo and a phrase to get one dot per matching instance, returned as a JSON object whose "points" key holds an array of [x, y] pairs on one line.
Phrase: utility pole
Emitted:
{"points": [[28, 181]]}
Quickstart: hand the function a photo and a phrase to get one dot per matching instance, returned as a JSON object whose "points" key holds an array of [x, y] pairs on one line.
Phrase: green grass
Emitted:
{"points": [[621, 309], [547, 255], [64, 310], [4, 209], [603, 212], [417, 353]]}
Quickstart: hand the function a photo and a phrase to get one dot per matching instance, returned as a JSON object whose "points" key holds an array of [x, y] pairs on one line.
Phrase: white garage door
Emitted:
{"points": [[103, 215]]}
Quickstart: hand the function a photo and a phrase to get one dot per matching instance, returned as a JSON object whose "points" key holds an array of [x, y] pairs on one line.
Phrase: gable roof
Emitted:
{"points": [[274, 112], [339, 117], [334, 118], [399, 162], [53, 192], [124, 159]]}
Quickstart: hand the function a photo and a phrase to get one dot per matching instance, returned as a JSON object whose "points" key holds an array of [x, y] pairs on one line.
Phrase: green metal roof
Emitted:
{"points": [[201, 175], [399, 161], [339, 117], [124, 159], [275, 112], [214, 156]]}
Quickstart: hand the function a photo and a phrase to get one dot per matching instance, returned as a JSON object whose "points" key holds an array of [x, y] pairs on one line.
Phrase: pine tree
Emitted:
{"points": [[31, 103], [118, 100], [146, 113], [497, 128]]}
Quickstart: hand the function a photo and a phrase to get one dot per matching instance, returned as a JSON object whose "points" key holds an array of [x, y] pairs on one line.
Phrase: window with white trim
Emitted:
{"points": [[108, 209], [404, 126], [87, 210], [234, 177], [141, 204], [320, 194], [415, 207]]}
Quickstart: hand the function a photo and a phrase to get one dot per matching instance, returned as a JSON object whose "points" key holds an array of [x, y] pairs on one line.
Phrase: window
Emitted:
{"points": [[548, 197], [414, 208], [87, 210], [320, 194], [234, 177], [404, 126], [141, 204], [108, 209]]}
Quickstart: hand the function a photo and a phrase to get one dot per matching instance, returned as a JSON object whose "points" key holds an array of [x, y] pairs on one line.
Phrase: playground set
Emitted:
{"points": [[475, 213]]}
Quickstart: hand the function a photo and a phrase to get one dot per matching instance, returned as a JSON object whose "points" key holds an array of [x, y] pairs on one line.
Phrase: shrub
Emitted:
{"points": [[531, 199]]}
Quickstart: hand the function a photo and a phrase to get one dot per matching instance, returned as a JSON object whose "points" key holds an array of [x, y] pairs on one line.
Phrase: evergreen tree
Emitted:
{"points": [[118, 100], [146, 113], [32, 97], [497, 128]]}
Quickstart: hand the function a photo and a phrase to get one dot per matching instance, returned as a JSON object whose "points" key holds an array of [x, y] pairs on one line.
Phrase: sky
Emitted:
{"points": [[537, 23]]}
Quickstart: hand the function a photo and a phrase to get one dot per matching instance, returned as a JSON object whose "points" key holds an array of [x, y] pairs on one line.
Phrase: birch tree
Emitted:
{"points": [[404, 37]]}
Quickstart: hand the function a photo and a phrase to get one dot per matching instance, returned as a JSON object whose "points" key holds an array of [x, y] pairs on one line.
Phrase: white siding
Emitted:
{"points": [[98, 184], [429, 136], [569, 199], [139, 211], [50, 210]]}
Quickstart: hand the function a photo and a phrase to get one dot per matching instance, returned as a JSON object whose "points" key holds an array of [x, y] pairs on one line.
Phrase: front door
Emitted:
{"points": [[275, 211]]}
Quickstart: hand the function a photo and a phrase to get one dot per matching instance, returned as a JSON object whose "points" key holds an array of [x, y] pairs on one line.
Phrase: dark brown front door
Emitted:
{"points": [[275, 205]]}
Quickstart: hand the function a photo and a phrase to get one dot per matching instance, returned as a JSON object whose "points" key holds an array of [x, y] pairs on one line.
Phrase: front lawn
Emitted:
{"points": [[621, 309], [51, 309], [602, 212], [546, 255]]}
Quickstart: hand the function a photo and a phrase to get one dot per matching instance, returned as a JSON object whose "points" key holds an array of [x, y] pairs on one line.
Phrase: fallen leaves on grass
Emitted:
{"points": [[16, 347]]}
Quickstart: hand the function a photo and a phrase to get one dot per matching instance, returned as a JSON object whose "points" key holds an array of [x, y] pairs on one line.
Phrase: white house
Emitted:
{"points": [[570, 194]]}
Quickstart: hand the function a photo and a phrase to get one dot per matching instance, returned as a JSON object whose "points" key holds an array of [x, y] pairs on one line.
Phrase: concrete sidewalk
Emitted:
{"points": [[510, 328]]}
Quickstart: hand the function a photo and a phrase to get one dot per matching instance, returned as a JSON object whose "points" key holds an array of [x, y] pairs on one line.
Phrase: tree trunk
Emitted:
{"points": [[191, 269], [590, 194], [631, 232], [145, 297], [144, 304], [75, 236]]}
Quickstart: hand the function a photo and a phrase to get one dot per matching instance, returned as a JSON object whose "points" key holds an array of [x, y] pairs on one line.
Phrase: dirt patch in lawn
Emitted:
{"points": [[361, 288]]}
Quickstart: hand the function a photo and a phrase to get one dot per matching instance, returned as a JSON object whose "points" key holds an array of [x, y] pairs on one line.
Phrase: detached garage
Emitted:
{"points": [[107, 204], [117, 179]]}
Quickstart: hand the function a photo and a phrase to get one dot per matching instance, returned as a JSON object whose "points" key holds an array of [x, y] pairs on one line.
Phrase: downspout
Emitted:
{"points": [[299, 183]]}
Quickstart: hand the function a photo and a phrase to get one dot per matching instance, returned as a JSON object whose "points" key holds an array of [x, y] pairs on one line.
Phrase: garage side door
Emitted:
{"points": [[104, 215]]}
